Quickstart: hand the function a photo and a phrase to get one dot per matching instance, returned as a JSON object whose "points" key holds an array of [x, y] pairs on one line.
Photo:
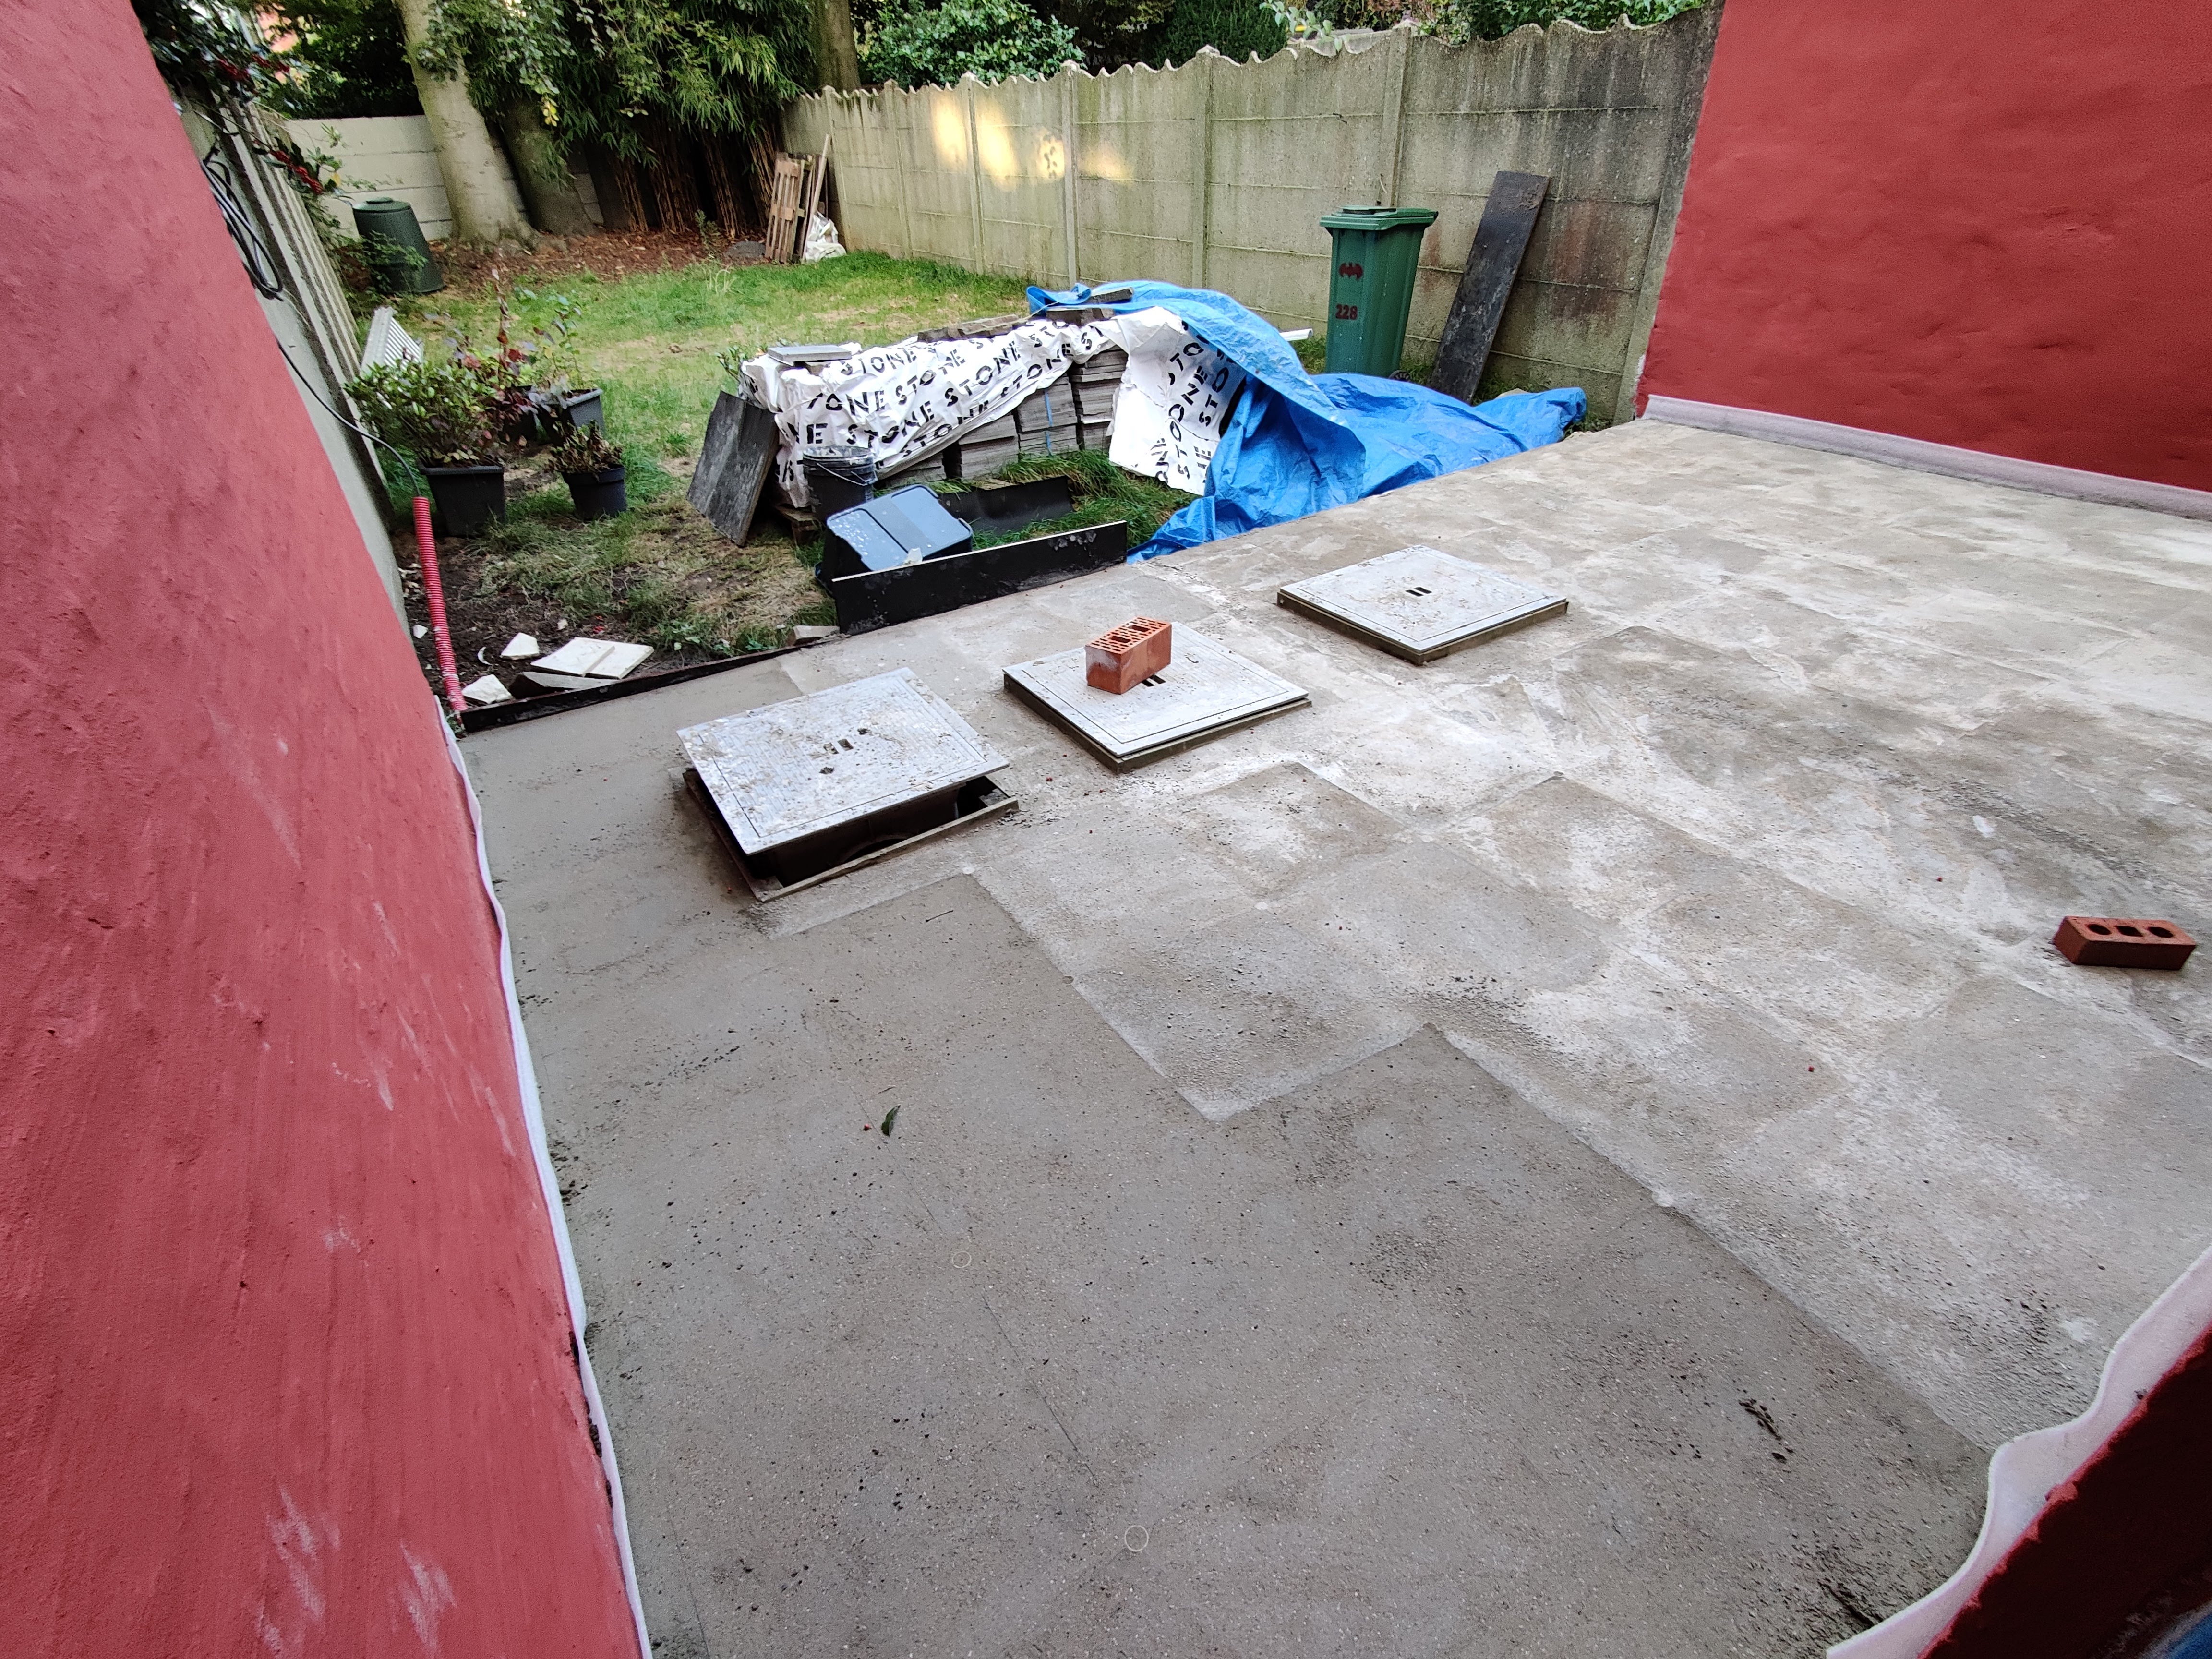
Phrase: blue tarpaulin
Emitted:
{"points": [[1300, 442]]}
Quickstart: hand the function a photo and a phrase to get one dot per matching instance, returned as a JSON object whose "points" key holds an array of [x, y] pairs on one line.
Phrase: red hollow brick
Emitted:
{"points": [[1134, 651], [2122, 942]]}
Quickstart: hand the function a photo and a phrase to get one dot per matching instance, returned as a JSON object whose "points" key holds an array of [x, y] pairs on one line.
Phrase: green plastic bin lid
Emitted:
{"points": [[1379, 218]]}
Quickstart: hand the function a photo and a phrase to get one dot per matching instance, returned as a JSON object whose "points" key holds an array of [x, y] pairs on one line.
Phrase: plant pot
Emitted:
{"points": [[599, 495], [583, 408], [467, 498]]}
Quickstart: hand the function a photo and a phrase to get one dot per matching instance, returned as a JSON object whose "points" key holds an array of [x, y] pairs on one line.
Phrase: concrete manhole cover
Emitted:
{"points": [[1419, 603]]}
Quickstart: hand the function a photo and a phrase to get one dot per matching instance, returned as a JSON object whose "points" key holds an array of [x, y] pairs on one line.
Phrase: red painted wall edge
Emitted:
{"points": [[2131, 1526], [281, 1330], [1979, 223]]}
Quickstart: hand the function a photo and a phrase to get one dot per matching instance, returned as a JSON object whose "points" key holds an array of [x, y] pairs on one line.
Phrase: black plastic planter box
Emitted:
{"points": [[869, 599], [599, 495], [583, 408], [468, 499]]}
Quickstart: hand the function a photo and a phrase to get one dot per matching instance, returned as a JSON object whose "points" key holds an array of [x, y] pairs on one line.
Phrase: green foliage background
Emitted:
{"points": [[1232, 27], [346, 58], [919, 46], [600, 69], [1490, 20]]}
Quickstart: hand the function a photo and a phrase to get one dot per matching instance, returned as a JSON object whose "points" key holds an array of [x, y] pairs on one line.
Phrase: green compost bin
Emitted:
{"points": [[392, 243], [1374, 254]]}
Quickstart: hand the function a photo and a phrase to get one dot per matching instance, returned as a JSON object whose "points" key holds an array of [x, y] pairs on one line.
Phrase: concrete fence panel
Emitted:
{"points": [[394, 155], [1139, 203], [1217, 174], [384, 156]]}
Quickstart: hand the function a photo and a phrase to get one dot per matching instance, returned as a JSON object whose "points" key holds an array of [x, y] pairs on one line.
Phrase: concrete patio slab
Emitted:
{"points": [[1700, 935]]}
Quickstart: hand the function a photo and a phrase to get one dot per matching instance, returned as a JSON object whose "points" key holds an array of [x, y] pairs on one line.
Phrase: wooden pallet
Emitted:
{"points": [[787, 201]]}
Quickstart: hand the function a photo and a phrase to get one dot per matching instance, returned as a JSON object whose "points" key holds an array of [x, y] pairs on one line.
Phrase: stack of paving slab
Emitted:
{"points": [[1045, 421], [924, 472], [985, 448], [1095, 384]]}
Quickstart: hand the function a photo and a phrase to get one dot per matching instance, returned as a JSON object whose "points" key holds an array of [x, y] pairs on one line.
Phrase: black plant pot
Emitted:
{"points": [[583, 408], [467, 498], [599, 494]]}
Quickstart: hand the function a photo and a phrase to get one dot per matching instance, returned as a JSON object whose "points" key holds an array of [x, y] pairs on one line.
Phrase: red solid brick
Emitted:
{"points": [[2122, 942], [1134, 651]]}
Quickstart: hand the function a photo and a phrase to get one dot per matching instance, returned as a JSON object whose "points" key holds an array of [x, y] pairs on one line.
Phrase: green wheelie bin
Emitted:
{"points": [[1374, 254]]}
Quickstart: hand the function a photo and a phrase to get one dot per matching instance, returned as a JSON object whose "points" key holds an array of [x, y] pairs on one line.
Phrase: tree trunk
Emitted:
{"points": [[832, 27], [484, 210], [547, 190]]}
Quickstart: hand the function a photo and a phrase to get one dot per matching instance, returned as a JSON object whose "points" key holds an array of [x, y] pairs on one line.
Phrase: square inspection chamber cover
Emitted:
{"points": [[1205, 691], [806, 788], [1419, 603]]}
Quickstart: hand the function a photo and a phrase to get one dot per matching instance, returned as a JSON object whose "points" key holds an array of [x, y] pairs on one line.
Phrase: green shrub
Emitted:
{"points": [[921, 45], [1488, 19], [1460, 21], [1232, 27], [438, 413]]}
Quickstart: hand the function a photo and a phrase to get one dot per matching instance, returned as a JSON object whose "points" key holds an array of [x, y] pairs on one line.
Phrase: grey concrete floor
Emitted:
{"points": [[1580, 1147]]}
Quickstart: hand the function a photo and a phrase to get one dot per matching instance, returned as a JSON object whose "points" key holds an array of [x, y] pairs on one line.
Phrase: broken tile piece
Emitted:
{"points": [[807, 631], [600, 660], [487, 690], [521, 645], [537, 681]]}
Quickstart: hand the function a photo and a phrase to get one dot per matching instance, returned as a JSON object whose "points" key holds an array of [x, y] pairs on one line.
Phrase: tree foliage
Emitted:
{"points": [[204, 54], [919, 46], [1232, 27], [1488, 19], [1491, 19], [342, 59], [1112, 33], [599, 70]]}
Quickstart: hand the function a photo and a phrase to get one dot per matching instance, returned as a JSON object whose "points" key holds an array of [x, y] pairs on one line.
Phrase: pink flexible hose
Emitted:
{"points": [[427, 546]]}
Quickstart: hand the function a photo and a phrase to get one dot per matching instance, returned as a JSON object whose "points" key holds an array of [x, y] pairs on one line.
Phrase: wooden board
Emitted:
{"points": [[734, 465], [813, 201], [1500, 240]]}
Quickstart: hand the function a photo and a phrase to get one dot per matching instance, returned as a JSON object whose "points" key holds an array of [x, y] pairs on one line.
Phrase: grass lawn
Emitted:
{"points": [[649, 338]]}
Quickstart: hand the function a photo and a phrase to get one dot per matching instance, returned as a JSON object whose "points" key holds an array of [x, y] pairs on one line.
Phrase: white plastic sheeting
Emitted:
{"points": [[905, 402]]}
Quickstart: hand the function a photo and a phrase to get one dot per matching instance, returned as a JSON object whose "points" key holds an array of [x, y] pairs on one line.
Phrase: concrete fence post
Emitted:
{"points": [[1202, 229], [1394, 117], [1689, 104], [898, 135], [969, 83], [1069, 164]]}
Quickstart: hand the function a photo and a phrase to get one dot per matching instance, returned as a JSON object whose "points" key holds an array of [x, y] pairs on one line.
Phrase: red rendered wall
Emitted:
{"points": [[282, 1345], [1981, 222], [2128, 1537]]}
